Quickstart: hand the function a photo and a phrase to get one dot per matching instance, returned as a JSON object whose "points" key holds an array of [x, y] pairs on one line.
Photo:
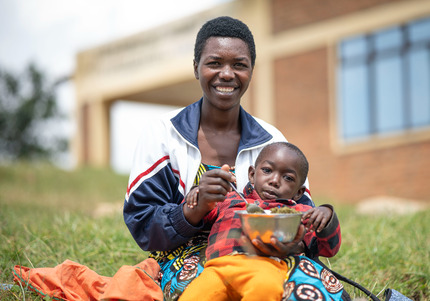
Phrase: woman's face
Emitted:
{"points": [[224, 71]]}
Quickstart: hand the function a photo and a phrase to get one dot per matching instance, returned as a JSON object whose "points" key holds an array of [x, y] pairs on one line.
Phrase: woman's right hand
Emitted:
{"points": [[213, 187]]}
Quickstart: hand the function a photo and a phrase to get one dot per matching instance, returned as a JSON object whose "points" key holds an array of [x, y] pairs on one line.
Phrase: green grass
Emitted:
{"points": [[49, 215], [386, 252]]}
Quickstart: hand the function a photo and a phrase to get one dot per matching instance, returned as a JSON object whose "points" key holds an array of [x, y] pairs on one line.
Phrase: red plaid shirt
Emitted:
{"points": [[226, 226]]}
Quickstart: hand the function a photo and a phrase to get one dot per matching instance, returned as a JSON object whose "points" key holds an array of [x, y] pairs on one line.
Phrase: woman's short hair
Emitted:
{"points": [[224, 27]]}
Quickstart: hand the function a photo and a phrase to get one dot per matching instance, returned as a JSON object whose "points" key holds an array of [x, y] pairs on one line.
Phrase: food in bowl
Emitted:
{"points": [[280, 223]]}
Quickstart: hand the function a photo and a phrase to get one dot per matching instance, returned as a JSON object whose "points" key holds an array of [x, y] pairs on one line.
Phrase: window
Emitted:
{"points": [[384, 81]]}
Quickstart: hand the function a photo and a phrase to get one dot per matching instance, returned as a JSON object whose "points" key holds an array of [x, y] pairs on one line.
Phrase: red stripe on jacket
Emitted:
{"points": [[149, 170]]}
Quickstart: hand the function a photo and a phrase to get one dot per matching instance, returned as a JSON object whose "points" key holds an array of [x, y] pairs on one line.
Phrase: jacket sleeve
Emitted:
{"points": [[327, 242], [153, 204], [306, 200]]}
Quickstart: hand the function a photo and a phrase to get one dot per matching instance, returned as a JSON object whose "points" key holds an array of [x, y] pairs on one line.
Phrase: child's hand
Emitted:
{"points": [[317, 218], [192, 198]]}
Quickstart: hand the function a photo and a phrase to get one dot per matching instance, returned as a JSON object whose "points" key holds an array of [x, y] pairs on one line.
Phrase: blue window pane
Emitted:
{"points": [[389, 95], [353, 47], [388, 39], [419, 73], [419, 30], [394, 110], [354, 116]]}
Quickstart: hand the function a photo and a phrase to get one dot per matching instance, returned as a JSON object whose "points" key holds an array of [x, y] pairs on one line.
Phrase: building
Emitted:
{"points": [[347, 81]]}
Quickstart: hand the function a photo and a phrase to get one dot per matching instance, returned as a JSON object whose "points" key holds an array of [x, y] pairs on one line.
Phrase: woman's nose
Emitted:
{"points": [[226, 73]]}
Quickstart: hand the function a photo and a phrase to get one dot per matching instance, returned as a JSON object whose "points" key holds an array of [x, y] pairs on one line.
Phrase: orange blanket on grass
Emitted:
{"points": [[72, 282]]}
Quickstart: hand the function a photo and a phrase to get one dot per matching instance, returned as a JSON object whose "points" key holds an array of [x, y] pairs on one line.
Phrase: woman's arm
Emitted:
{"points": [[153, 207], [153, 213], [153, 202]]}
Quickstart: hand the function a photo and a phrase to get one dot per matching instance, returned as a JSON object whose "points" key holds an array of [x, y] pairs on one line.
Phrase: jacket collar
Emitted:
{"points": [[186, 122]]}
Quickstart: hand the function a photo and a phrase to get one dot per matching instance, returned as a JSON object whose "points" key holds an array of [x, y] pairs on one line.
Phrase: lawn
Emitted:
{"points": [[48, 215]]}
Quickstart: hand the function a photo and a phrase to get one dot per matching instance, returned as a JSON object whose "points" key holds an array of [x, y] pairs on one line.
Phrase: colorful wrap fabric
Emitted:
{"points": [[181, 266], [308, 280]]}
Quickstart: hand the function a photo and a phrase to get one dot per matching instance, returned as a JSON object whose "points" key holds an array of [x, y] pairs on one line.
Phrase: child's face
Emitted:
{"points": [[277, 175]]}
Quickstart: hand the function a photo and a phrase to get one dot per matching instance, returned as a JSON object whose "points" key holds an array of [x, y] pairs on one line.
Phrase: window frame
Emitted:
{"points": [[374, 138]]}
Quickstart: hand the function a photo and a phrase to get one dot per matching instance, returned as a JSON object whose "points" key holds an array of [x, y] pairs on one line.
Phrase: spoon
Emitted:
{"points": [[234, 188], [250, 208]]}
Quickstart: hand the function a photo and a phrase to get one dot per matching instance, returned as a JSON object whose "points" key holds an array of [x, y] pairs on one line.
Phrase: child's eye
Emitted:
{"points": [[265, 170], [289, 178]]}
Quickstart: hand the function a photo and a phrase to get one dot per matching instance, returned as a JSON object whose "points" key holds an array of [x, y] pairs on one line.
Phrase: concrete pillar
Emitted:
{"points": [[99, 138], [92, 142]]}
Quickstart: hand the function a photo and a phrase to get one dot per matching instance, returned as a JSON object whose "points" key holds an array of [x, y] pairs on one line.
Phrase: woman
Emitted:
{"points": [[183, 150]]}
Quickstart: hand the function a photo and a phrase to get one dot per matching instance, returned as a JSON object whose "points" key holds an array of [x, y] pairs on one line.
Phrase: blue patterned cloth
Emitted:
{"points": [[181, 266], [308, 280]]}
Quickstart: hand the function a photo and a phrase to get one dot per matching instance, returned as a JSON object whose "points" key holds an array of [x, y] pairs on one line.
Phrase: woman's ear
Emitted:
{"points": [[251, 173], [299, 193], [196, 71]]}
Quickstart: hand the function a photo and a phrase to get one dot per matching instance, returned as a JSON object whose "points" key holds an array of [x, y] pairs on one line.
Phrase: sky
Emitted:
{"points": [[51, 32]]}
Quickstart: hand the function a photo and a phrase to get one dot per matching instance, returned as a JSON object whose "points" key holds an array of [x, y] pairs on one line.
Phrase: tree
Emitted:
{"points": [[27, 105]]}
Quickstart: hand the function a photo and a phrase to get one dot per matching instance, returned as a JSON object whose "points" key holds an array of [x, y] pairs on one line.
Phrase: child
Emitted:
{"points": [[276, 180]]}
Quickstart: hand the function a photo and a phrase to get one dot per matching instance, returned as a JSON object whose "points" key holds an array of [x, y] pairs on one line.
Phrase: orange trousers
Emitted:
{"points": [[72, 281], [238, 277]]}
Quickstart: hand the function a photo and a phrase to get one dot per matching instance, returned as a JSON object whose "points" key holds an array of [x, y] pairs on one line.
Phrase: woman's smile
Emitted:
{"points": [[224, 89]]}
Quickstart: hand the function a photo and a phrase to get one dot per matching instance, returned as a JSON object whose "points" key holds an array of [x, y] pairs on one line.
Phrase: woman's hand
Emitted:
{"points": [[276, 248], [213, 187]]}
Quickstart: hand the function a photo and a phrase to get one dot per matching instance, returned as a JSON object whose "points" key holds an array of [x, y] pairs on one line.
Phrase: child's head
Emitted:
{"points": [[280, 171]]}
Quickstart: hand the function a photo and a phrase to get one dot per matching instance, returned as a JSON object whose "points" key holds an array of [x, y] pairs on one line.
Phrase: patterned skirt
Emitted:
{"points": [[306, 280], [180, 266]]}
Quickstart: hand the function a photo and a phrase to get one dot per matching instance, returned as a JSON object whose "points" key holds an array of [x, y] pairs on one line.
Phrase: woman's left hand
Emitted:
{"points": [[276, 248]]}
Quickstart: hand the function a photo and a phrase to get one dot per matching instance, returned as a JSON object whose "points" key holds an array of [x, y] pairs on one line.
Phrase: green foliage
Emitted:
{"points": [[27, 103], [49, 215]]}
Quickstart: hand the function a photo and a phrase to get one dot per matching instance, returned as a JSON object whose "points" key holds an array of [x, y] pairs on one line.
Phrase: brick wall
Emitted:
{"points": [[289, 14], [302, 114]]}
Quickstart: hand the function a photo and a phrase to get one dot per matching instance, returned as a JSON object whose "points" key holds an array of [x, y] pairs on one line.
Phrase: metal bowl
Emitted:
{"points": [[283, 226]]}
